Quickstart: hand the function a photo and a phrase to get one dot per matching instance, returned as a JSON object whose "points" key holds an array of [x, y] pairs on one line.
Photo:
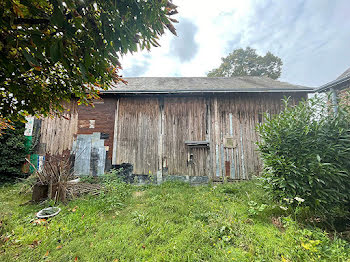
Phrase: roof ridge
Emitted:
{"points": [[204, 85]]}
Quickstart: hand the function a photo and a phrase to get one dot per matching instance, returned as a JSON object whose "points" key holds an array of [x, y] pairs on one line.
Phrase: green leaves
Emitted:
{"points": [[12, 152], [54, 48], [305, 151], [30, 59], [246, 62], [83, 70], [57, 17], [55, 51]]}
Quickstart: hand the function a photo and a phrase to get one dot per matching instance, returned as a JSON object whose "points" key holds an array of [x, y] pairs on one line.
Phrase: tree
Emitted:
{"points": [[4, 124], [12, 152], [248, 63], [53, 50]]}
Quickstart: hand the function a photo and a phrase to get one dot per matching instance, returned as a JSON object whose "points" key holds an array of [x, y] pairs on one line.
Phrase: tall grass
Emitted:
{"points": [[170, 222]]}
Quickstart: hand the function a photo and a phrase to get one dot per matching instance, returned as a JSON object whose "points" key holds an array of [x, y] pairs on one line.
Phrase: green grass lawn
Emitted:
{"points": [[171, 222]]}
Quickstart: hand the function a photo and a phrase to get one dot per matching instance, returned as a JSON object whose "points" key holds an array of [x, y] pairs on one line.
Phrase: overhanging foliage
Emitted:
{"points": [[51, 50]]}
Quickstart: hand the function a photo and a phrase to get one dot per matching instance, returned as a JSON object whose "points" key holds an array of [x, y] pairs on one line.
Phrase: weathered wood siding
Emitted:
{"points": [[185, 119], [138, 133], [235, 117], [152, 133], [59, 133], [56, 134]]}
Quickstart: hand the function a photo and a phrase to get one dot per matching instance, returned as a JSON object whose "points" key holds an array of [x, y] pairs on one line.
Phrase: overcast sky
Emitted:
{"points": [[312, 38]]}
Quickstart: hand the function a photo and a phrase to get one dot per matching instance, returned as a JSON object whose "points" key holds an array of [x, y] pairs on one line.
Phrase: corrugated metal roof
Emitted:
{"points": [[154, 85]]}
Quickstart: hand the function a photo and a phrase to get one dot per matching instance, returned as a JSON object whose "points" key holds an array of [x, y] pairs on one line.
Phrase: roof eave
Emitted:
{"points": [[207, 91], [336, 84]]}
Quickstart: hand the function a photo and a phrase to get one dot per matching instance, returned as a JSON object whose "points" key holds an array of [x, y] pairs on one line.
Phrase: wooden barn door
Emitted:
{"points": [[185, 121]]}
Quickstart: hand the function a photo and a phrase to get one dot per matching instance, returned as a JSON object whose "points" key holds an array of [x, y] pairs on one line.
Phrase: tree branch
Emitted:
{"points": [[31, 21]]}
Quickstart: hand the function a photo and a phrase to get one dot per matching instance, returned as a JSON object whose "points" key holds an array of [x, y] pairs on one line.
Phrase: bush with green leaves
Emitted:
{"points": [[12, 152], [306, 151]]}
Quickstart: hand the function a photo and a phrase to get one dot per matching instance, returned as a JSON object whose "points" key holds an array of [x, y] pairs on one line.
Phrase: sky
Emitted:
{"points": [[312, 38]]}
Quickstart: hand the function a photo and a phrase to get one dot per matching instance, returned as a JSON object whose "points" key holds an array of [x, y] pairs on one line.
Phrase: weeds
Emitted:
{"points": [[170, 222], [255, 209]]}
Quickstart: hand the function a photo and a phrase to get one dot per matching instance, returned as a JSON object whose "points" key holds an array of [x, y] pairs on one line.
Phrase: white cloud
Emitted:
{"points": [[311, 37]]}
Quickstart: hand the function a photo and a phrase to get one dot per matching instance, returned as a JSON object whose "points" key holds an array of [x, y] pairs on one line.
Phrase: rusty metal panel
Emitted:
{"points": [[227, 168]]}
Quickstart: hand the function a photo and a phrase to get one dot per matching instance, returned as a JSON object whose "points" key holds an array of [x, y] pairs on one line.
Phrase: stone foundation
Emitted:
{"points": [[127, 176]]}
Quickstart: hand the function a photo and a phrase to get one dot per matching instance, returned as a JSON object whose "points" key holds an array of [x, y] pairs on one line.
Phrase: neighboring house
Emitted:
{"points": [[338, 88], [193, 128], [345, 74], [340, 84]]}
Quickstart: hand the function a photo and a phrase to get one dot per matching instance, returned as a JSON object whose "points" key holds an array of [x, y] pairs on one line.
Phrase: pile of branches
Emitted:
{"points": [[55, 174]]}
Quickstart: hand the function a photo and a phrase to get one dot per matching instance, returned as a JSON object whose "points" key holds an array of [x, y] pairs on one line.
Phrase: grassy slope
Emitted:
{"points": [[172, 222]]}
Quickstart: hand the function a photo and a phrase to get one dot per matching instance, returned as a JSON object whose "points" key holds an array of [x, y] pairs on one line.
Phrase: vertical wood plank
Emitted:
{"points": [[232, 168], [217, 137], [115, 134], [161, 142]]}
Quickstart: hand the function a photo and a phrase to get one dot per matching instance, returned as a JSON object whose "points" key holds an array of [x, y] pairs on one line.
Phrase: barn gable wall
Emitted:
{"points": [[189, 135]]}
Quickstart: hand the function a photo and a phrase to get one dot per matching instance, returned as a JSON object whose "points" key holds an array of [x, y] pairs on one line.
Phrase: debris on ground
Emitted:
{"points": [[48, 212], [56, 180], [79, 189], [139, 193]]}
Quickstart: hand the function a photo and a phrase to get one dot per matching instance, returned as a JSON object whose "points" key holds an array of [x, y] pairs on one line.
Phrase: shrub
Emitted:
{"points": [[306, 152], [12, 152]]}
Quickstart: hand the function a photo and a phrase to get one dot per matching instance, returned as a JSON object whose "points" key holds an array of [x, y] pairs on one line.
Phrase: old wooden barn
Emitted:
{"points": [[192, 128]]}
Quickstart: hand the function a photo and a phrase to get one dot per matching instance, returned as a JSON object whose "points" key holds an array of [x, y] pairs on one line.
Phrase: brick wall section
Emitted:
{"points": [[102, 116], [344, 96]]}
